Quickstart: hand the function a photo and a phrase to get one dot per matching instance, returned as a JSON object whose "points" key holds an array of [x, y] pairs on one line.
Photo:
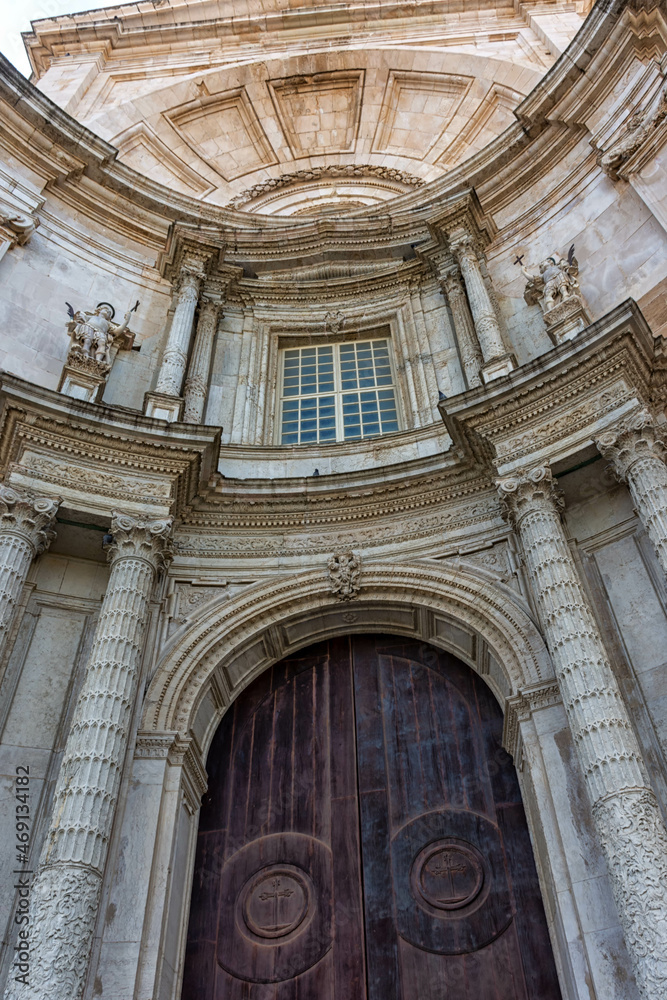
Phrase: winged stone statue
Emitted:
{"points": [[555, 283], [92, 332]]}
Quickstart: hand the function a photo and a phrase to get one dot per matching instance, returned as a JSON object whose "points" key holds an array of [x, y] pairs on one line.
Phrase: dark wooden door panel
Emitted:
{"points": [[439, 797], [276, 909], [364, 839]]}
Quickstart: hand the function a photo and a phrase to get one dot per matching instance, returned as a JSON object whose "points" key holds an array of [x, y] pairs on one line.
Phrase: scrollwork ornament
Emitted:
{"points": [[28, 515], [131, 538], [526, 490], [65, 900], [635, 844]]}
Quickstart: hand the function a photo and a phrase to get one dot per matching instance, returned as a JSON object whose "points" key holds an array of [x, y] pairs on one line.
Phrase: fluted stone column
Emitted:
{"points": [[471, 354], [625, 810], [66, 891], [199, 370], [26, 530], [637, 452], [497, 361], [175, 358]]}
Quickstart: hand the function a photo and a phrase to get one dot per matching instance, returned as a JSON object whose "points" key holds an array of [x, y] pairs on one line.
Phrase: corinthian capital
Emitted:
{"points": [[462, 244], [134, 539], [635, 438], [32, 517], [529, 491], [451, 283]]}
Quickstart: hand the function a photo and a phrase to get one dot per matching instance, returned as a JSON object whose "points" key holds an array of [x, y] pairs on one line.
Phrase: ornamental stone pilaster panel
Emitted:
{"points": [[26, 530], [199, 370], [66, 891], [637, 452], [497, 360], [625, 810], [466, 335], [175, 358]]}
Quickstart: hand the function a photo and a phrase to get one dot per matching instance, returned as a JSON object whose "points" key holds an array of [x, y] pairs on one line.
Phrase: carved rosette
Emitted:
{"points": [[344, 571], [637, 452], [605, 741], [175, 358], [26, 530], [196, 383], [487, 327], [86, 793], [471, 354]]}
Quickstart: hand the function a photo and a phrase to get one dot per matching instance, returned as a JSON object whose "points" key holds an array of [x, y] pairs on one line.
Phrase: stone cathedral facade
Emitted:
{"points": [[333, 503]]}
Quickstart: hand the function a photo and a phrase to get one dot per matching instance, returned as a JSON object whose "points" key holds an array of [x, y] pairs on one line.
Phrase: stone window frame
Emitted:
{"points": [[335, 341]]}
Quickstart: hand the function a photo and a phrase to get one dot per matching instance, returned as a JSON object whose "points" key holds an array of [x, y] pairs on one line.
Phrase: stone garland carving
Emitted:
{"points": [[637, 452], [639, 128], [344, 573], [556, 289], [471, 354], [196, 383], [26, 530], [66, 890], [317, 173], [626, 812], [175, 357]]}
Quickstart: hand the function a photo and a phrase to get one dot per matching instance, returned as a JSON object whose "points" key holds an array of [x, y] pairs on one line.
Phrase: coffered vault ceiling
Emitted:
{"points": [[306, 119]]}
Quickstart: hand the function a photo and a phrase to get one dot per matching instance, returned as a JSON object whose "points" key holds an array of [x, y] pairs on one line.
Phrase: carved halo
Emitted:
{"points": [[100, 304]]}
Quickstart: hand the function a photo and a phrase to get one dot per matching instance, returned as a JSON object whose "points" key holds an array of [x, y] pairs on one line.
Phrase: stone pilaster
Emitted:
{"points": [[469, 349], [175, 358], [625, 810], [637, 452], [497, 360], [66, 891], [26, 530], [199, 370]]}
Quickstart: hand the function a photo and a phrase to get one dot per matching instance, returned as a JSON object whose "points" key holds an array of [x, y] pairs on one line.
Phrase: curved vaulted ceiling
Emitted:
{"points": [[337, 107]]}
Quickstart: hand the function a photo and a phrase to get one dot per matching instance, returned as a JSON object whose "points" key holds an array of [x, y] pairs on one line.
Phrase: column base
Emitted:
{"points": [[497, 367], [163, 407]]}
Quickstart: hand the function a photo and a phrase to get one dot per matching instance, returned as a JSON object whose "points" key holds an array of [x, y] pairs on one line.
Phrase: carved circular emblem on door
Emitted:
{"points": [[275, 901], [275, 909], [448, 875]]}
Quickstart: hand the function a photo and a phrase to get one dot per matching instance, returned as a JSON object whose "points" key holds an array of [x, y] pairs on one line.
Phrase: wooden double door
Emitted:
{"points": [[363, 838]]}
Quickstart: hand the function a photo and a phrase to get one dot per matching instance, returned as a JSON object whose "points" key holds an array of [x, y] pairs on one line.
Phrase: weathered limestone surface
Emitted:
{"points": [[196, 383], [66, 890], [637, 452], [322, 172], [629, 824], [26, 530], [175, 358]]}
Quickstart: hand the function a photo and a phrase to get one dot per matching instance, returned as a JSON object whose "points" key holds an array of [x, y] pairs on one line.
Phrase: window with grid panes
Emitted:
{"points": [[337, 392]]}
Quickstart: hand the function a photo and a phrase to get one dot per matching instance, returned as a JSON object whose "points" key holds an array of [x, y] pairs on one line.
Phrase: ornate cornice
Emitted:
{"points": [[100, 457], [556, 404]]}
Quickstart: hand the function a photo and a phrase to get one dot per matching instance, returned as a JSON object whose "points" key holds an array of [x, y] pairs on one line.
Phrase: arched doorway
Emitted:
{"points": [[363, 837]]}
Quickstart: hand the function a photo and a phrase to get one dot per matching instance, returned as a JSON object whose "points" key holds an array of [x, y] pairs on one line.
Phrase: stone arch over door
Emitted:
{"points": [[455, 607]]}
